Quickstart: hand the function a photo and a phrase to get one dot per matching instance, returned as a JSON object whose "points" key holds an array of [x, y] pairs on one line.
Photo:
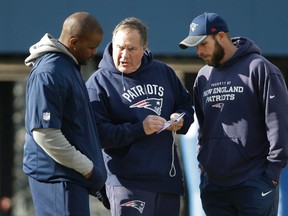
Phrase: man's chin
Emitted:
{"points": [[123, 69]]}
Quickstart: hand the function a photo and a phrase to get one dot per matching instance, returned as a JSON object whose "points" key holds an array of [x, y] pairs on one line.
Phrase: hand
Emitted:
{"points": [[152, 124], [87, 176], [275, 183], [176, 125], [102, 197]]}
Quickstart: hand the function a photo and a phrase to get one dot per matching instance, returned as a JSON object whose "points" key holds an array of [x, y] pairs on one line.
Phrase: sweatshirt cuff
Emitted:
{"points": [[138, 131]]}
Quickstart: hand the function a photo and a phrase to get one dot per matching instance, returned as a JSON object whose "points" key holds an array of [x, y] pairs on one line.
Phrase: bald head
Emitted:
{"points": [[81, 25], [80, 33]]}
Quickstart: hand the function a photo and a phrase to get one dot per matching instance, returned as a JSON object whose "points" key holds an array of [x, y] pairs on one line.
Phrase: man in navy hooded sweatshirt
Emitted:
{"points": [[62, 153], [133, 96], [241, 103]]}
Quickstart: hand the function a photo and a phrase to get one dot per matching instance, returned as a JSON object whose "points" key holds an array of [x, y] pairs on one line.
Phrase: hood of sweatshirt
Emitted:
{"points": [[244, 46], [47, 44], [107, 63]]}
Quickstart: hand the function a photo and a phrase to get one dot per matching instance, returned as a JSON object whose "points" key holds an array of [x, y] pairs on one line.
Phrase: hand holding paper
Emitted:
{"points": [[174, 120]]}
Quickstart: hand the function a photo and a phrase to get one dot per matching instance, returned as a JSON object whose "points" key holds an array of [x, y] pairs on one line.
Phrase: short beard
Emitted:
{"points": [[218, 55]]}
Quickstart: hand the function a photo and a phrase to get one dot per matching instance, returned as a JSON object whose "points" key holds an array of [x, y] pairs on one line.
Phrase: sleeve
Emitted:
{"points": [[198, 110], [53, 142], [184, 103], [275, 102], [45, 99], [112, 135]]}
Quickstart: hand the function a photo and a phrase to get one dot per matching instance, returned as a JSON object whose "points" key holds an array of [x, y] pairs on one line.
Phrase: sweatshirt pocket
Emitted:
{"points": [[221, 156]]}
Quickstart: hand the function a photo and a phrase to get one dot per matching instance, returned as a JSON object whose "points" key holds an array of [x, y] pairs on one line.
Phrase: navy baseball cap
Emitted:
{"points": [[202, 26]]}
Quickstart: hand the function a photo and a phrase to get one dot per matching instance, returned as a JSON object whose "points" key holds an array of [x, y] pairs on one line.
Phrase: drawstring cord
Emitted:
{"points": [[122, 78], [172, 172]]}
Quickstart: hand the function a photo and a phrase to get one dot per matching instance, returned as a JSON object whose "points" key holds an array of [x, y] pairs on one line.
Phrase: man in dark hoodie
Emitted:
{"points": [[133, 96], [241, 103], [62, 152]]}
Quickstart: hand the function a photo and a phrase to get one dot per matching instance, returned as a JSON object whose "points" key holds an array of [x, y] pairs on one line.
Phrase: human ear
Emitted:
{"points": [[72, 42]]}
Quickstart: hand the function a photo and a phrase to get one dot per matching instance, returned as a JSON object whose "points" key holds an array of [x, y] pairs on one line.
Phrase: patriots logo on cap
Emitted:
{"points": [[153, 104], [219, 105], [137, 204], [193, 27]]}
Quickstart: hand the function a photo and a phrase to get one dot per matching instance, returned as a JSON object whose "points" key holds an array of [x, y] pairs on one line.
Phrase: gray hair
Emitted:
{"points": [[133, 23]]}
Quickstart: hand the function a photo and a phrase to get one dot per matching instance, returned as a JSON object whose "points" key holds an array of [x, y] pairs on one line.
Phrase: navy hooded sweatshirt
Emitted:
{"points": [[121, 102], [242, 112], [56, 97]]}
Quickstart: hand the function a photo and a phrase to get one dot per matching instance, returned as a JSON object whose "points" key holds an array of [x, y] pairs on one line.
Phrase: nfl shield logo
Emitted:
{"points": [[46, 116]]}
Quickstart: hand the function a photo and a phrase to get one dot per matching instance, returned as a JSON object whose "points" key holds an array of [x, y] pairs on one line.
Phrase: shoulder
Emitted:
{"points": [[161, 67], [260, 63], [54, 68]]}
